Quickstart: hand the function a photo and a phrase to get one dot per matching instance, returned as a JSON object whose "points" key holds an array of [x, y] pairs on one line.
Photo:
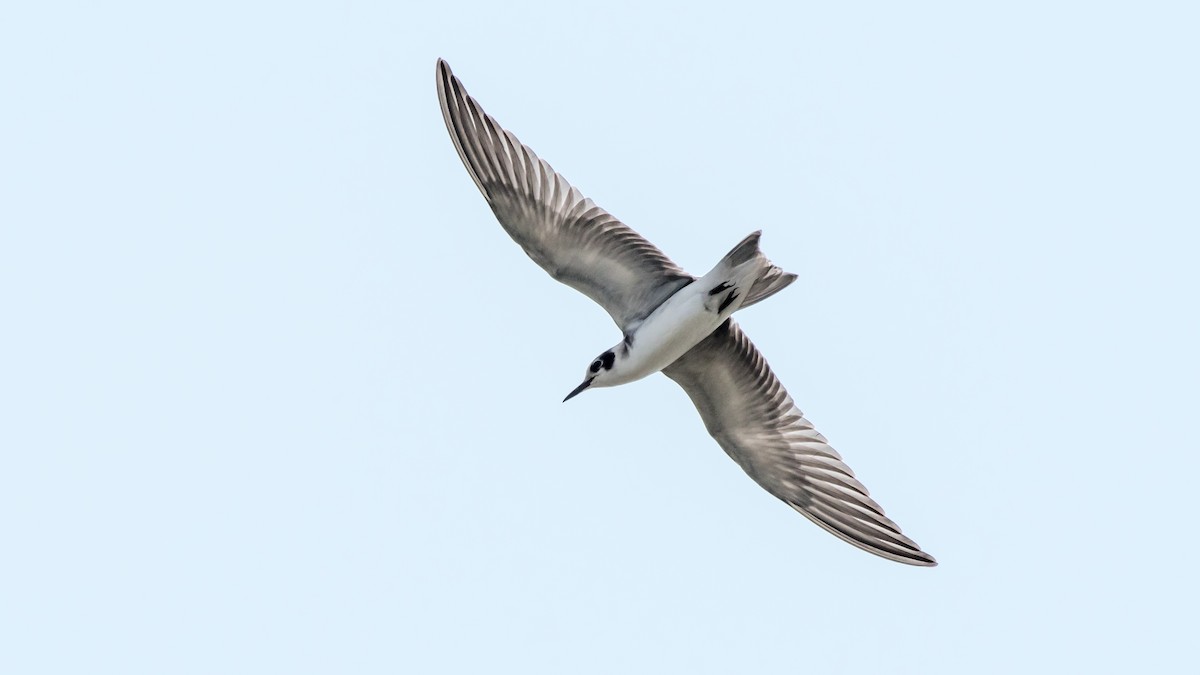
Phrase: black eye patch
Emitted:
{"points": [[607, 358], [595, 366]]}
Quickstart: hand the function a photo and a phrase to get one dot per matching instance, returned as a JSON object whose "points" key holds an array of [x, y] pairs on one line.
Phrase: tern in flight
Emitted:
{"points": [[672, 322]]}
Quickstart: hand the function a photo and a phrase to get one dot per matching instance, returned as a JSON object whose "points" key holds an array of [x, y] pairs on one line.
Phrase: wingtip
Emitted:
{"points": [[916, 557], [909, 555], [926, 561], [443, 70]]}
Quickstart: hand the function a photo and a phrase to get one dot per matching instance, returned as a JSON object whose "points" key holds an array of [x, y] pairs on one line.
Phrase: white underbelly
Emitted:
{"points": [[676, 326]]}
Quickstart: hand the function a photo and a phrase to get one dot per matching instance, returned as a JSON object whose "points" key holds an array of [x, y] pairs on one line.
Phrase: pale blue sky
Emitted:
{"points": [[280, 396]]}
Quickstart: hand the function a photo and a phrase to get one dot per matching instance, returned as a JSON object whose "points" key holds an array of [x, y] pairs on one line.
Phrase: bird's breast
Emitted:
{"points": [[668, 333]]}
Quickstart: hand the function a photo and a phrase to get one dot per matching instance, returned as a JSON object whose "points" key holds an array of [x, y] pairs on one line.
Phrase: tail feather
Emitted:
{"points": [[745, 251], [769, 279], [770, 282]]}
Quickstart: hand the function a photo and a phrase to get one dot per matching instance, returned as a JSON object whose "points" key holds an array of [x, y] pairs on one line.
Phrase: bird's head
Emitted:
{"points": [[599, 374]]}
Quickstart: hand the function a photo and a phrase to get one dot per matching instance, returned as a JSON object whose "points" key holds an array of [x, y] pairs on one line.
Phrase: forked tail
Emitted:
{"points": [[770, 278]]}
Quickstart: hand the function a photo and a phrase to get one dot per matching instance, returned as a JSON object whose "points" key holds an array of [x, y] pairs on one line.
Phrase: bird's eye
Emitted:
{"points": [[596, 366]]}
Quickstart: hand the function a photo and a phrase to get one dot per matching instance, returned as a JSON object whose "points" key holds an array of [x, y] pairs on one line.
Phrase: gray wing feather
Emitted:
{"points": [[577, 242], [752, 417]]}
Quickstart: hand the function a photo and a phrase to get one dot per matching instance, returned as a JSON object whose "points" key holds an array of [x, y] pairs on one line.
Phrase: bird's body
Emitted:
{"points": [[691, 314], [674, 323], [669, 332]]}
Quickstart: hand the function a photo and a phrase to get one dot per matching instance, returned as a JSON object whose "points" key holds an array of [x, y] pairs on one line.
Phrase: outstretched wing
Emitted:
{"points": [[753, 418], [565, 233]]}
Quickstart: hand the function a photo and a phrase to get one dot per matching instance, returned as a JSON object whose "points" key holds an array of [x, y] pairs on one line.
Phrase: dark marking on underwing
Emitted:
{"points": [[727, 301], [628, 339], [720, 287]]}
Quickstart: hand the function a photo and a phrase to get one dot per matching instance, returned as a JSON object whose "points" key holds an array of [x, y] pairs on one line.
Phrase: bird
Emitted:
{"points": [[672, 322]]}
